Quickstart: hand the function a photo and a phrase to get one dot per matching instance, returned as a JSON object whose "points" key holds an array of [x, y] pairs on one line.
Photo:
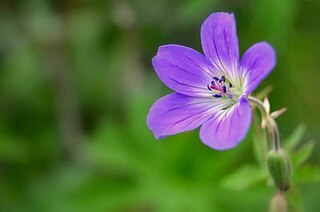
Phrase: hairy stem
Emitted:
{"points": [[271, 124]]}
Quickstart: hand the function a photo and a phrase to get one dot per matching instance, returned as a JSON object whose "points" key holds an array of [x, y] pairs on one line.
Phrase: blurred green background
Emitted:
{"points": [[76, 84]]}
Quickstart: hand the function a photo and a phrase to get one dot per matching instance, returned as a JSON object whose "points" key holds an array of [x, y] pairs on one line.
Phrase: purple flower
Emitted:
{"points": [[211, 89]]}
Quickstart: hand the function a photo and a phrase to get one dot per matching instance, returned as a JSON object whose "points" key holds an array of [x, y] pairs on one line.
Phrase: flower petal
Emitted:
{"points": [[227, 128], [177, 113], [256, 63], [183, 70], [220, 42]]}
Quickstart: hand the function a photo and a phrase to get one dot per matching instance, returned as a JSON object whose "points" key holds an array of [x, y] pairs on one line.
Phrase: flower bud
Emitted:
{"points": [[279, 167]]}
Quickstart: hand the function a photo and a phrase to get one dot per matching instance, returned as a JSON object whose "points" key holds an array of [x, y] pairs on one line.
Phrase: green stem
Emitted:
{"points": [[271, 124]]}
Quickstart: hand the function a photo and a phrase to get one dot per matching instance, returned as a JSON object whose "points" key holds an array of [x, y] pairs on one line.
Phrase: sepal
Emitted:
{"points": [[277, 113]]}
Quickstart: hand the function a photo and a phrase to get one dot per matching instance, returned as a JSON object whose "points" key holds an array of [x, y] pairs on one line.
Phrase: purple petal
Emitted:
{"points": [[183, 69], [177, 113], [256, 63], [226, 128], [220, 42]]}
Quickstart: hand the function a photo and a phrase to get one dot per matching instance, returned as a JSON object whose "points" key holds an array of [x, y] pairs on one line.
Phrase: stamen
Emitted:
{"points": [[224, 89], [217, 95], [223, 78], [220, 86]]}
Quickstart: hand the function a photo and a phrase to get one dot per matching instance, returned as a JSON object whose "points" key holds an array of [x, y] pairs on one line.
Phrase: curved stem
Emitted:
{"points": [[271, 124], [259, 104]]}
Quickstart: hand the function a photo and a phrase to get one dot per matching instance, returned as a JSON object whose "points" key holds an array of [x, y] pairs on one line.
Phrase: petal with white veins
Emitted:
{"points": [[220, 43], [227, 128], [177, 113], [256, 63], [184, 70]]}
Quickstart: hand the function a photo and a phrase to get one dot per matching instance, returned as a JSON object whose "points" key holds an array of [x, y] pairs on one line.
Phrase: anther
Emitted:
{"points": [[212, 83], [230, 85], [223, 78], [215, 78], [230, 96], [209, 88], [217, 95], [224, 89]]}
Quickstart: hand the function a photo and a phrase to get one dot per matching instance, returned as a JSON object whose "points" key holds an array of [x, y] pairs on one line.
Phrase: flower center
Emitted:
{"points": [[221, 88]]}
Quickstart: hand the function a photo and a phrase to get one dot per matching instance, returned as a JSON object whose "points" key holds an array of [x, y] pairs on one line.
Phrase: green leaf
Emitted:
{"points": [[307, 174], [302, 154], [295, 200], [295, 138], [244, 177]]}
